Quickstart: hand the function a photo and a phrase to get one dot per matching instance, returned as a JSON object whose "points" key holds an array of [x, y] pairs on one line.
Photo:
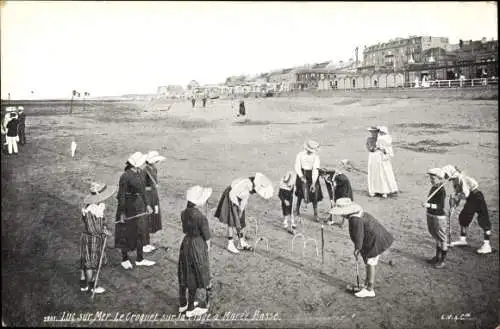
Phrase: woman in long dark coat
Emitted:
{"points": [[370, 239], [130, 234], [151, 176], [193, 267]]}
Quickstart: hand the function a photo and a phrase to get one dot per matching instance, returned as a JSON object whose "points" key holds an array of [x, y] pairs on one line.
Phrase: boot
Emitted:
{"points": [[84, 285], [231, 247], [460, 243], [441, 261], [368, 291], [316, 219], [285, 222], [434, 259], [485, 248], [244, 245]]}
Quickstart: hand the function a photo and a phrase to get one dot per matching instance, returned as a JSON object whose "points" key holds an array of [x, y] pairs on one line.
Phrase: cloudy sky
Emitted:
{"points": [[113, 48]]}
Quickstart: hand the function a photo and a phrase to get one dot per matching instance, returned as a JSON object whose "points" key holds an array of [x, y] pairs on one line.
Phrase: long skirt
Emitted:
{"points": [[229, 213], [154, 221], [193, 268], [380, 175], [127, 234], [90, 251], [307, 195]]}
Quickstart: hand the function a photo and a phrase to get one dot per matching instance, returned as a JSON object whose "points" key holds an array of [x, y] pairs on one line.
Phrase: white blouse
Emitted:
{"points": [[307, 162], [465, 185], [96, 210], [240, 188]]}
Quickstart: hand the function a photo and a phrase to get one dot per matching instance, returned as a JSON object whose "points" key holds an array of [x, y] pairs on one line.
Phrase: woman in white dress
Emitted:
{"points": [[381, 178]]}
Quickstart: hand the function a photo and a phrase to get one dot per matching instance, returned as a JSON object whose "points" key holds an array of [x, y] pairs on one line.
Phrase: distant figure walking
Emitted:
{"points": [[193, 101], [204, 101], [242, 110]]}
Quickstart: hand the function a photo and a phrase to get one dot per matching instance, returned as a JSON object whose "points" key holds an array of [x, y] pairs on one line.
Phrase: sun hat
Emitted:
{"points": [[154, 157], [345, 206], [383, 129], [450, 171], [263, 186], [198, 194], [373, 128], [438, 172], [20, 108], [98, 193], [311, 146], [137, 159]]}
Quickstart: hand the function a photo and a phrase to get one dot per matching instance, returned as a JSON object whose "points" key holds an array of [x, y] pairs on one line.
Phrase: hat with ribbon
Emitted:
{"points": [[198, 194], [137, 159], [345, 206], [311, 146], [154, 157], [98, 193], [263, 186]]}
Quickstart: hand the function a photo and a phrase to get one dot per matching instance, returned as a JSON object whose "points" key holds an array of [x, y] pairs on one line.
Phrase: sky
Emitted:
{"points": [[114, 48]]}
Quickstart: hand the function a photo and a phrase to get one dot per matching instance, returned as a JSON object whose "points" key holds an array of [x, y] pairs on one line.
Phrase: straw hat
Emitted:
{"points": [[311, 146], [383, 129], [345, 206], [198, 195], [98, 193], [263, 186], [154, 157], [20, 108], [438, 172], [450, 171], [137, 159]]}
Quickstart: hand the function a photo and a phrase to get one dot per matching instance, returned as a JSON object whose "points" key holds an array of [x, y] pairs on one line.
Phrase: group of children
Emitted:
{"points": [[304, 183], [368, 235], [439, 214], [13, 127], [138, 215]]}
